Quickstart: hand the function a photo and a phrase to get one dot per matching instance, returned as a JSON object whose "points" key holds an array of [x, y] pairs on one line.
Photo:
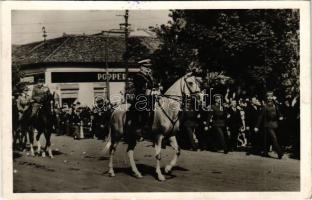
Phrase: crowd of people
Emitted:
{"points": [[82, 121], [232, 122], [229, 123]]}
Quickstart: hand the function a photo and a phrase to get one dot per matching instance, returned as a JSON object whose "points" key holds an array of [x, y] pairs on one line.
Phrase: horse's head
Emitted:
{"points": [[187, 85], [191, 84], [48, 102]]}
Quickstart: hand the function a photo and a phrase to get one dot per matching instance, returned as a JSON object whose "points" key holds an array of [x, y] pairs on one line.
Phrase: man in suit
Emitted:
{"points": [[269, 117], [252, 115], [234, 122], [218, 119]]}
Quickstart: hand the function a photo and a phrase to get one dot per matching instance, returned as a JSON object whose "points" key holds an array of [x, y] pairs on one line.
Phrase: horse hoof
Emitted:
{"points": [[138, 175], [43, 155], [111, 174], [161, 178], [50, 154], [168, 169], [32, 154]]}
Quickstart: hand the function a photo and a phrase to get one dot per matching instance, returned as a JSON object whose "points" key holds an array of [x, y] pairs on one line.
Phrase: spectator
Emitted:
{"points": [[269, 116], [252, 115], [218, 117]]}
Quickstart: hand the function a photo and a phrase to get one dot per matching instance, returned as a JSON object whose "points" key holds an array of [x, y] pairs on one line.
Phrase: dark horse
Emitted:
{"points": [[43, 122]]}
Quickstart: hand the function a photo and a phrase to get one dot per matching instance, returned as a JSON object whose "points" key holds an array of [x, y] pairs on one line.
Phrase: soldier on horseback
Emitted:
{"points": [[23, 102], [141, 101], [38, 93], [20, 109]]}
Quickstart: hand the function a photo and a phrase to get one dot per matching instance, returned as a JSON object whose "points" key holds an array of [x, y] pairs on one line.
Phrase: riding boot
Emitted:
{"points": [[131, 125], [140, 125]]}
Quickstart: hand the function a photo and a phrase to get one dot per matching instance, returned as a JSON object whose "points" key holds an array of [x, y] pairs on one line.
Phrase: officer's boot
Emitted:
{"points": [[140, 125]]}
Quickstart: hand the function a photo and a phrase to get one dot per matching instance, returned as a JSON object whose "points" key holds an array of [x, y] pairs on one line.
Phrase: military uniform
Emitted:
{"points": [[74, 120], [138, 113], [38, 94], [269, 120], [99, 124], [234, 122], [189, 120], [252, 115], [22, 103], [218, 117]]}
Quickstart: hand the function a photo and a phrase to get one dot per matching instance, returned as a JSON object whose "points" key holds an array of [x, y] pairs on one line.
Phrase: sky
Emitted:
{"points": [[27, 25]]}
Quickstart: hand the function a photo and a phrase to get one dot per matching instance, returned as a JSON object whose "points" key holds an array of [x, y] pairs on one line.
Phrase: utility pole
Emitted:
{"points": [[44, 34], [126, 26], [106, 57]]}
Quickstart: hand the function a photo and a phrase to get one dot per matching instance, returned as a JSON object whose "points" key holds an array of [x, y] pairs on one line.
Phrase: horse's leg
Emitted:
{"points": [[47, 135], [31, 141], [26, 138], [39, 132], [173, 162], [158, 157], [23, 138], [112, 150], [15, 137], [130, 151]]}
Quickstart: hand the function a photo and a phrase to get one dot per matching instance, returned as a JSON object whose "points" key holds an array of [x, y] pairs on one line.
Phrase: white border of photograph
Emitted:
{"points": [[305, 100]]}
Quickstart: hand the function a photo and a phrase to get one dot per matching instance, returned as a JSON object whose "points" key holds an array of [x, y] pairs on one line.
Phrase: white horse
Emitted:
{"points": [[165, 124]]}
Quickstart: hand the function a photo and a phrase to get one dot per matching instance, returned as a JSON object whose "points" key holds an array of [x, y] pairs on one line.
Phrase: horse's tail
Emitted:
{"points": [[108, 140]]}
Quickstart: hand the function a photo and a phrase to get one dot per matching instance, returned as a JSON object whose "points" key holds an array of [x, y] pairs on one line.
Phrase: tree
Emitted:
{"points": [[17, 74], [260, 48]]}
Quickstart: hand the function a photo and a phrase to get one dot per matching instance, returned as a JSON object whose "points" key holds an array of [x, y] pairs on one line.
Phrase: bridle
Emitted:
{"points": [[178, 98], [183, 85], [188, 87]]}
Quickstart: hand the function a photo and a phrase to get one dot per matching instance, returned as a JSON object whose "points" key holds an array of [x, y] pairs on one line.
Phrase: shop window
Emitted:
{"points": [[100, 92]]}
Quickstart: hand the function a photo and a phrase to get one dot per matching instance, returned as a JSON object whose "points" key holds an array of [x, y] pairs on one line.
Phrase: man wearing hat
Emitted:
{"points": [[269, 119], [218, 121], [142, 84], [143, 80], [38, 94], [23, 102], [101, 116]]}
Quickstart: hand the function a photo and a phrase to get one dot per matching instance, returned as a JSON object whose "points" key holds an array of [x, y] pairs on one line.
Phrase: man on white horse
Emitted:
{"points": [[164, 123], [141, 101]]}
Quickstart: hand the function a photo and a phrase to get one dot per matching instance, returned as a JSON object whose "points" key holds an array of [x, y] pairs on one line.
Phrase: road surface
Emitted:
{"points": [[81, 166]]}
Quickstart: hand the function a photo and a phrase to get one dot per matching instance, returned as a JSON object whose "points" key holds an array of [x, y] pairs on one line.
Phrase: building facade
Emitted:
{"points": [[78, 67]]}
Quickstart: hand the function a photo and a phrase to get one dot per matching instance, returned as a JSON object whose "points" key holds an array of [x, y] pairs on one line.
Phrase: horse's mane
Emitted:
{"points": [[175, 89]]}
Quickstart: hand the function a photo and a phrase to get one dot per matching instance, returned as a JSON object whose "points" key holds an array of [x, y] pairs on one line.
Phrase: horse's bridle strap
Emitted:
{"points": [[171, 120]]}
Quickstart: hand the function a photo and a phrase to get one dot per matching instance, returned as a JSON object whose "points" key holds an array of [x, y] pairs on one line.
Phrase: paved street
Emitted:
{"points": [[81, 166]]}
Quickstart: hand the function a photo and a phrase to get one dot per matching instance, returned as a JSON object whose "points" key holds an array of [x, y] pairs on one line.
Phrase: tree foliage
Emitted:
{"points": [[17, 74], [257, 48]]}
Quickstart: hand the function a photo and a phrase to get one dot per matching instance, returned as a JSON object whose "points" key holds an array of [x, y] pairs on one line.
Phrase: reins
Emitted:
{"points": [[178, 99]]}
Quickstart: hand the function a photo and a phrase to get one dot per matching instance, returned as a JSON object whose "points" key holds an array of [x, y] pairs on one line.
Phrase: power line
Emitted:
{"points": [[87, 21], [30, 32], [61, 22]]}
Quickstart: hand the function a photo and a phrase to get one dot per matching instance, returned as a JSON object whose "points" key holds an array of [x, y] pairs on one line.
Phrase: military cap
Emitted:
{"points": [[25, 88], [145, 62], [217, 96], [269, 94]]}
